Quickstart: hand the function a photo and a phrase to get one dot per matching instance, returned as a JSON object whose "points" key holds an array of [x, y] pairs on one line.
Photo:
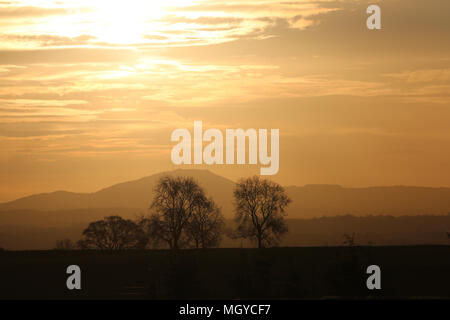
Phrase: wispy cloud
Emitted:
{"points": [[172, 23], [99, 80]]}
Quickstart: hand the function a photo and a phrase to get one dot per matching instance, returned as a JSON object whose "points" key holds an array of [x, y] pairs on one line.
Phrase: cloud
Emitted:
{"points": [[46, 40], [110, 82], [420, 76], [11, 13], [67, 55], [41, 103], [124, 24], [202, 20]]}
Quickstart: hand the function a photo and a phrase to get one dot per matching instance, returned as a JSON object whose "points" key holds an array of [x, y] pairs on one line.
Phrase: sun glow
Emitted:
{"points": [[126, 22], [140, 24], [107, 22], [131, 21]]}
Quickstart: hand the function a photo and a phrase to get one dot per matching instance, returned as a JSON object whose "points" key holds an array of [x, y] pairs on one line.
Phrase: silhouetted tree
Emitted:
{"points": [[65, 244], [175, 201], [349, 240], [260, 207], [155, 230], [113, 233], [206, 225]]}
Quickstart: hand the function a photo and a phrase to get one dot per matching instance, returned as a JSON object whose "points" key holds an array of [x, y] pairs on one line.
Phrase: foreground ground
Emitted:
{"points": [[278, 273]]}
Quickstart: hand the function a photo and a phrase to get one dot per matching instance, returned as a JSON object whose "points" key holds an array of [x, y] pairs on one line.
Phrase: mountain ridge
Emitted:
{"points": [[135, 194], [313, 200]]}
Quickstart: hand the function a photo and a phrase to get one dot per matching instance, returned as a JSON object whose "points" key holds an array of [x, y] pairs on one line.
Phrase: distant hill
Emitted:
{"points": [[37, 221], [308, 201], [329, 200], [136, 194]]}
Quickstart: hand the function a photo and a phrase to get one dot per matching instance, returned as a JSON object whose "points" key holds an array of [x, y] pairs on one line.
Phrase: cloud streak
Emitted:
{"points": [[84, 81]]}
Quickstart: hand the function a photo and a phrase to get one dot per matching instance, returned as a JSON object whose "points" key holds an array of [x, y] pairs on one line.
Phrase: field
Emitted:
{"points": [[277, 273]]}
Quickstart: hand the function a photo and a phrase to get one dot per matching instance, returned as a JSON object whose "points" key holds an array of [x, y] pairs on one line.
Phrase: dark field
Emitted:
{"points": [[278, 273]]}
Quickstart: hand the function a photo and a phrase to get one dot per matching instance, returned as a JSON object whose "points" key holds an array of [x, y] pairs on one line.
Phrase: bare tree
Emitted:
{"points": [[206, 225], [260, 210], [175, 201], [65, 244], [113, 233]]}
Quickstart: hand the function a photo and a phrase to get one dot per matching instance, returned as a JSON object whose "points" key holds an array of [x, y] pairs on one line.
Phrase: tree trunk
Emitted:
{"points": [[259, 241], [175, 241]]}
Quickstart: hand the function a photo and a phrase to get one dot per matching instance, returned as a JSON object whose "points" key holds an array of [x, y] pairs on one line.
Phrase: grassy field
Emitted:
{"points": [[277, 273]]}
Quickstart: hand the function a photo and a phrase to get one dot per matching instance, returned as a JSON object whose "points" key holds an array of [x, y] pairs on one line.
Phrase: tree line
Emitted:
{"points": [[182, 216]]}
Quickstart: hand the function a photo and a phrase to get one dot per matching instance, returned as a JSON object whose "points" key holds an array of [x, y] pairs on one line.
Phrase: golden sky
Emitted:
{"points": [[90, 91]]}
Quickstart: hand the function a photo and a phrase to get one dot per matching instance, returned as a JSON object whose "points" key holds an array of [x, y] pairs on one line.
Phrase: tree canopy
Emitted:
{"points": [[260, 208]]}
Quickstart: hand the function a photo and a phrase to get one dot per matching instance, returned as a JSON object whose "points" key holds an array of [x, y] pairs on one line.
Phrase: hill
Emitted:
{"points": [[308, 201], [329, 200], [136, 194]]}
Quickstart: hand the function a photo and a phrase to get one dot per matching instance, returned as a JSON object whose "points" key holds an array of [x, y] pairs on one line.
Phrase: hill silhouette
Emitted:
{"points": [[37, 221], [136, 194], [308, 201], [329, 200]]}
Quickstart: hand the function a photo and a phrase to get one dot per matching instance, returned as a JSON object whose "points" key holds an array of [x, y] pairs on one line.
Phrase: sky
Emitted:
{"points": [[90, 91]]}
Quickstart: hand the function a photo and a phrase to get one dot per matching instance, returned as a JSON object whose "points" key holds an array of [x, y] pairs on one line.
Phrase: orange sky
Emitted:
{"points": [[90, 91]]}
